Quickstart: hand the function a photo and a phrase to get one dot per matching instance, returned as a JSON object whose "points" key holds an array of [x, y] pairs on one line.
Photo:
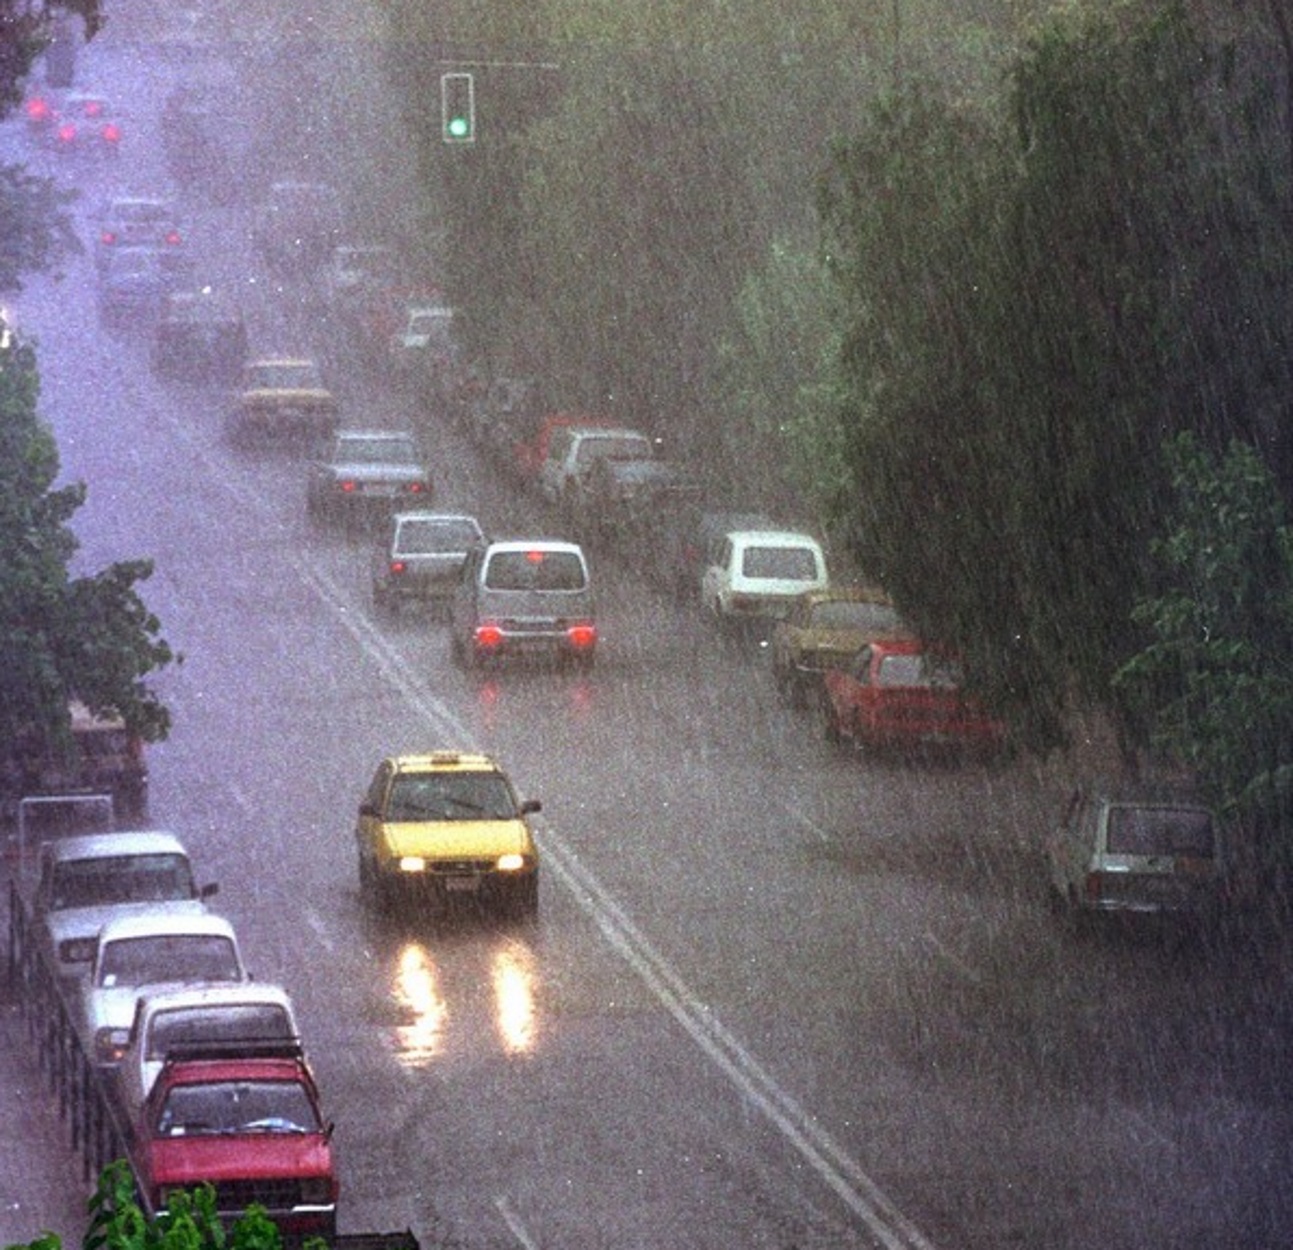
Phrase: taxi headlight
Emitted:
{"points": [[412, 863], [511, 862]]}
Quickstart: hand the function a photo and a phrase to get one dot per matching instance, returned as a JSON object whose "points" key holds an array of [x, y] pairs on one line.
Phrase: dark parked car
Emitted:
{"points": [[133, 285]]}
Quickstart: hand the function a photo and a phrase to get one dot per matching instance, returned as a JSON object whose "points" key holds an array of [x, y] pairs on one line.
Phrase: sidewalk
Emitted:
{"points": [[41, 1181]]}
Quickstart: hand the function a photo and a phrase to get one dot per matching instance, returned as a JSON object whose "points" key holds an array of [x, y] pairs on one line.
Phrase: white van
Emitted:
{"points": [[751, 574]]}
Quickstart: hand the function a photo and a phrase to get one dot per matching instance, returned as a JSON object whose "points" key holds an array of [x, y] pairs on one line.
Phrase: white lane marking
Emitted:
{"points": [[966, 970], [513, 1221], [834, 1166]]}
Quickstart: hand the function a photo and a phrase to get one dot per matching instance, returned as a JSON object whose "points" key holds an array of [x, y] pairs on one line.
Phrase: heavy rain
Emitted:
{"points": [[804, 969]]}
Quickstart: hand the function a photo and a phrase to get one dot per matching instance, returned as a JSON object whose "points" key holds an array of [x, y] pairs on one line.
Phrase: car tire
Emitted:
{"points": [[523, 900], [831, 731]]}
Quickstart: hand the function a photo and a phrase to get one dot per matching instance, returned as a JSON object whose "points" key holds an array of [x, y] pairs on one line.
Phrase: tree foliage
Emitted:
{"points": [[61, 637], [1037, 298]]}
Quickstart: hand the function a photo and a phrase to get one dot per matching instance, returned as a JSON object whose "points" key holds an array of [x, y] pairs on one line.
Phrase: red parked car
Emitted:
{"points": [[244, 1117], [894, 693]]}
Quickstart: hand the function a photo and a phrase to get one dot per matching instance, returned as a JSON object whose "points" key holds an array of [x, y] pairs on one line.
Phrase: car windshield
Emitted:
{"points": [[1159, 831], [284, 377], [234, 1107], [844, 614], [153, 958], [613, 448], [376, 451], [451, 796], [141, 212], [791, 564], [917, 670], [429, 537], [121, 879], [227, 1022], [429, 323], [535, 570]]}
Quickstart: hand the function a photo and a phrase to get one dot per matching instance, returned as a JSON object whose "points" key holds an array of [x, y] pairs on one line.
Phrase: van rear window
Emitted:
{"points": [[535, 570], [1159, 831], [782, 563]]}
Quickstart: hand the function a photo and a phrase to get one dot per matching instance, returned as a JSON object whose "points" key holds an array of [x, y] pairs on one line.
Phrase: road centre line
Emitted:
{"points": [[841, 1173]]}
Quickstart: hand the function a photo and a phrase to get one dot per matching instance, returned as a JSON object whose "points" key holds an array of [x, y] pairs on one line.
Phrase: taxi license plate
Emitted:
{"points": [[461, 885]]}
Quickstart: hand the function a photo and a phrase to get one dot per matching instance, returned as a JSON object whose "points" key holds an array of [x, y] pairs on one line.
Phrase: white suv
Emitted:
{"points": [[760, 573]]}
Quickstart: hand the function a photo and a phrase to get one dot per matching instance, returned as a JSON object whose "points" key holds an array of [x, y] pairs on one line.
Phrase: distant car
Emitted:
{"points": [[354, 271], [625, 499], [895, 695], [284, 397], [133, 285], [572, 453], [421, 557], [504, 409], [825, 629], [201, 337], [528, 453], [423, 345], [525, 598], [192, 1016], [367, 474], [206, 138], [86, 880], [142, 221], [298, 225], [85, 125], [246, 1118], [447, 825], [148, 950], [39, 112], [1130, 850], [758, 574]]}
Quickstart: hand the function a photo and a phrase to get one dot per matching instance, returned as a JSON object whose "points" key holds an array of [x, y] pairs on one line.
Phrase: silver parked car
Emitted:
{"points": [[1137, 850]]}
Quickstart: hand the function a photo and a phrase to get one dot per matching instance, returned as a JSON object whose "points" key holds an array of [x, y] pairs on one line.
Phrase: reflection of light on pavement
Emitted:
{"points": [[513, 975], [417, 987]]}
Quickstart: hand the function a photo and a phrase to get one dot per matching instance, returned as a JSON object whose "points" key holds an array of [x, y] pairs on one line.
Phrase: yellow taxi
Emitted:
{"points": [[445, 826], [284, 397]]}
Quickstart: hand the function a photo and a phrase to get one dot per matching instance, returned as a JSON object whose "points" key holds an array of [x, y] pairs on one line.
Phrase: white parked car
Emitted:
{"points": [[572, 452], [86, 881], [194, 1017], [752, 574], [151, 950]]}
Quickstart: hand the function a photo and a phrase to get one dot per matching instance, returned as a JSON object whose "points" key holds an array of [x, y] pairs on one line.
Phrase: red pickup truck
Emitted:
{"points": [[246, 1118], [895, 694]]}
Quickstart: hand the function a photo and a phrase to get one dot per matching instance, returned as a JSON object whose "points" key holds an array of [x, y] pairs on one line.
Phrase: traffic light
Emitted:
{"points": [[458, 108]]}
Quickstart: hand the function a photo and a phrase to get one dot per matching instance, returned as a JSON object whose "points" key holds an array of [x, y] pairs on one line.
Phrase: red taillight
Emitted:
{"points": [[398, 567], [173, 238], [108, 238], [38, 109], [582, 636], [67, 133], [489, 636], [415, 488], [92, 108], [111, 132], [347, 488]]}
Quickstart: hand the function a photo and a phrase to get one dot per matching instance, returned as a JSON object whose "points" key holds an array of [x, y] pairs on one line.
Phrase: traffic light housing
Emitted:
{"points": [[458, 107]]}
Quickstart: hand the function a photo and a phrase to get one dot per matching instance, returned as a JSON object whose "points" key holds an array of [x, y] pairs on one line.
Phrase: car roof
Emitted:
{"points": [[110, 845], [346, 436], [1148, 793], [172, 998], [580, 432], [445, 761], [422, 514], [193, 1069], [781, 538], [149, 924], [281, 360], [534, 544], [896, 646]]}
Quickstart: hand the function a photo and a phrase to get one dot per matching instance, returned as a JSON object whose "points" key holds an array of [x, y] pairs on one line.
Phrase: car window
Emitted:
{"points": [[842, 614], [254, 1106], [450, 796], [121, 879], [612, 448], [781, 563], [1159, 831], [168, 957], [535, 570], [227, 1022], [917, 670], [428, 537], [376, 450], [283, 377]]}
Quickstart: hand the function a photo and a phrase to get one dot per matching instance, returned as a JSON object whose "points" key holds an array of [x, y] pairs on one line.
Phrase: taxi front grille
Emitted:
{"points": [[460, 867]]}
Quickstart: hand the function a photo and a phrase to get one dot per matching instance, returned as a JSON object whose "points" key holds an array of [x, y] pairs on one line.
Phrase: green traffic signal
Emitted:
{"points": [[458, 108]]}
